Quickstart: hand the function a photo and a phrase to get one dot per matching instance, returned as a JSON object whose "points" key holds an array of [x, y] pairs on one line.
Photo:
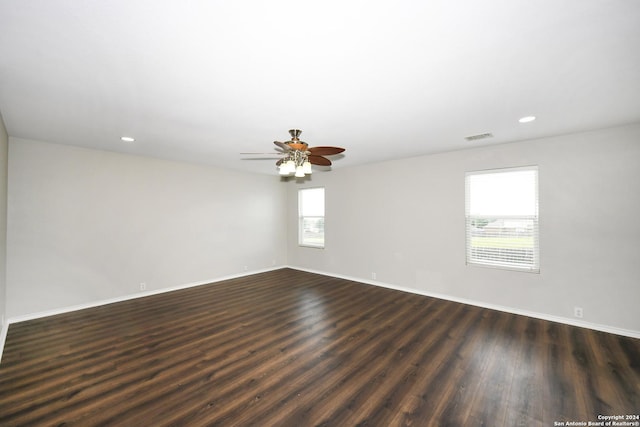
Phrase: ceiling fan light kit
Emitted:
{"points": [[296, 163], [298, 157]]}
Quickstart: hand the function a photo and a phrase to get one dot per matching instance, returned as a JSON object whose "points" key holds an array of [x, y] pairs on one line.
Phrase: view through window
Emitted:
{"points": [[502, 218], [311, 217]]}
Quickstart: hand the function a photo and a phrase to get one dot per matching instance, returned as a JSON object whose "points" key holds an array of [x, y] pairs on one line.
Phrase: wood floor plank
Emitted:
{"points": [[290, 348]]}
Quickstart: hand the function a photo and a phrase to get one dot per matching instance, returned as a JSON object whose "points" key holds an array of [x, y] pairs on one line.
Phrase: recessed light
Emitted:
{"points": [[127, 139], [527, 119]]}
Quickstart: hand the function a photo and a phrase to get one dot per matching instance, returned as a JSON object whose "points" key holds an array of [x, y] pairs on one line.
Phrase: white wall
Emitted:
{"points": [[4, 147], [86, 226], [404, 220]]}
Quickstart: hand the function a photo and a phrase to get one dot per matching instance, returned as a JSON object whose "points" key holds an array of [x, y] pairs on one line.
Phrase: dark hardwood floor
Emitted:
{"points": [[289, 348]]}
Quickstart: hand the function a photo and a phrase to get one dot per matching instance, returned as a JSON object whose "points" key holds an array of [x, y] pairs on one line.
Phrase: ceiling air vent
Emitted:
{"points": [[479, 136]]}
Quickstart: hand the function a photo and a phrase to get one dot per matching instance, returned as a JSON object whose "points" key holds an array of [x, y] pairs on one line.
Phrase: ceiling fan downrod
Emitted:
{"points": [[295, 133]]}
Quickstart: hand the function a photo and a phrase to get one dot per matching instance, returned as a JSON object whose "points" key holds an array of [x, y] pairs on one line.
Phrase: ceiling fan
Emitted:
{"points": [[298, 156]]}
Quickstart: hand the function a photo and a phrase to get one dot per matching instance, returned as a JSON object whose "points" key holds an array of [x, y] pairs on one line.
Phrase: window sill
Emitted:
{"points": [[505, 267]]}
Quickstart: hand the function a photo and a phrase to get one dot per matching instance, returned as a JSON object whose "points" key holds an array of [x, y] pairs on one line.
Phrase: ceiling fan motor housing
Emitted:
{"points": [[295, 142]]}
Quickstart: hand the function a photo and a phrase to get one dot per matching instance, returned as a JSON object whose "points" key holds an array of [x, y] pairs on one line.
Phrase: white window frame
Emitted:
{"points": [[507, 248], [319, 241]]}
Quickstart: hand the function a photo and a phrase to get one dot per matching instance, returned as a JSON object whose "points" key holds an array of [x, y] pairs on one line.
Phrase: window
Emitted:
{"points": [[311, 217], [502, 218]]}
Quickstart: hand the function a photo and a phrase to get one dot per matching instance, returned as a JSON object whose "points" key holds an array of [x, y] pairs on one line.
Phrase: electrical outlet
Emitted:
{"points": [[143, 286], [246, 268], [374, 275], [577, 312]]}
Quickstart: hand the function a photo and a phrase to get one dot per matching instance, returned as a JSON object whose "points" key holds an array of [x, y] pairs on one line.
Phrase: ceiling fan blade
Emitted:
{"points": [[318, 160], [279, 162], [282, 145], [325, 151], [270, 154]]}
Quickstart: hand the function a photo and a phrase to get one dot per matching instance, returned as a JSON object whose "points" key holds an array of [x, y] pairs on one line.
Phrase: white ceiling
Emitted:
{"points": [[202, 81]]}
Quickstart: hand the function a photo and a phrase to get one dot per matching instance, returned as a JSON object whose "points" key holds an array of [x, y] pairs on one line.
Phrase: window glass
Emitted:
{"points": [[502, 218], [311, 217]]}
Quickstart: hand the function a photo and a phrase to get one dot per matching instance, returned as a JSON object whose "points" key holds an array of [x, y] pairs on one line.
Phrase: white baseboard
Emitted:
{"points": [[3, 337], [38, 315], [542, 316], [69, 309]]}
